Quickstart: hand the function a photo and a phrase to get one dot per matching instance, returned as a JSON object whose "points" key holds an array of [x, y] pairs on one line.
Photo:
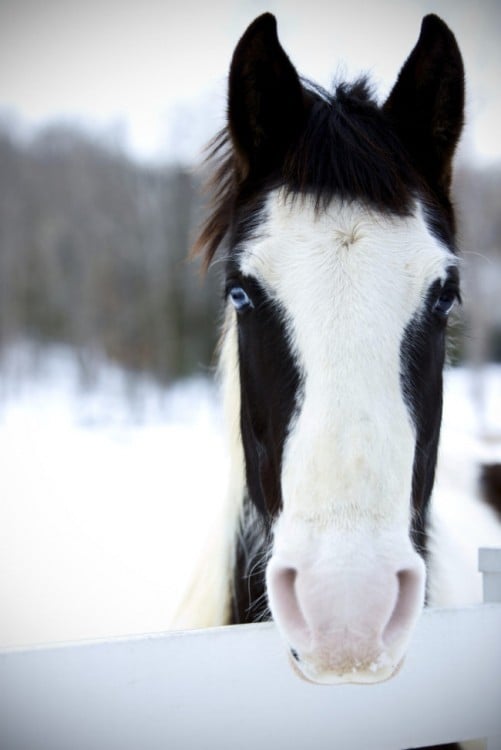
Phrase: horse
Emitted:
{"points": [[332, 215]]}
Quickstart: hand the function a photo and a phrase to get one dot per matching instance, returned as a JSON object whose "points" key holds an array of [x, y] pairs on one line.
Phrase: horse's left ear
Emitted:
{"points": [[427, 102]]}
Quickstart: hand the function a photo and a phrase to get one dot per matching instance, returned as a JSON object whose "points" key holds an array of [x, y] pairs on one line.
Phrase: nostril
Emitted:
{"points": [[285, 604], [407, 606]]}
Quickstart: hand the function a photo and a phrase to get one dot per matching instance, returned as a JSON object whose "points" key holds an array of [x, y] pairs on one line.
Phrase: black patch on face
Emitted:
{"points": [[269, 386], [422, 358]]}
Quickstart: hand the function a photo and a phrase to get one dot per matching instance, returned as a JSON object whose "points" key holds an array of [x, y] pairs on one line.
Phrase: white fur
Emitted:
{"points": [[207, 602]]}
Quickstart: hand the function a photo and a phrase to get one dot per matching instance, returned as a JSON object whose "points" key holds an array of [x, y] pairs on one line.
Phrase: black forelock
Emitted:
{"points": [[347, 149]]}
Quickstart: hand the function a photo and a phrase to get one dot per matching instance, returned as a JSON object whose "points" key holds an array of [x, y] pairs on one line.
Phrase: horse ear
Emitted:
{"points": [[266, 105], [426, 104]]}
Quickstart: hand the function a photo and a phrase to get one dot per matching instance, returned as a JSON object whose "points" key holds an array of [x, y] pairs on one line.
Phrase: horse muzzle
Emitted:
{"points": [[347, 612]]}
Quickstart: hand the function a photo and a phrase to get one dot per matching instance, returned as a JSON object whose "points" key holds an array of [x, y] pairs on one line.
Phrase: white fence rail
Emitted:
{"points": [[233, 688]]}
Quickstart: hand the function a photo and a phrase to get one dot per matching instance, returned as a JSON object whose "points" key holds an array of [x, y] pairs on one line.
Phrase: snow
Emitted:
{"points": [[471, 436], [104, 500], [107, 490]]}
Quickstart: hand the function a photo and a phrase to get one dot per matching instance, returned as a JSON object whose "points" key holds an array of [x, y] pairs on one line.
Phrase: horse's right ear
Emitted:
{"points": [[266, 107], [426, 104]]}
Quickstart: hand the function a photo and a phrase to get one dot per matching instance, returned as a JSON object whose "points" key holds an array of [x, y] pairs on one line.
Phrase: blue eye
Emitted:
{"points": [[445, 302], [240, 299]]}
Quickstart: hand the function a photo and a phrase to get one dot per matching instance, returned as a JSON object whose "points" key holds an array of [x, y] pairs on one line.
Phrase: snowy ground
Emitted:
{"points": [[106, 495], [105, 498]]}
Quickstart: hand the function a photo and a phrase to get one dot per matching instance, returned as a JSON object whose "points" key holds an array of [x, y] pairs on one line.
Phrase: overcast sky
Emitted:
{"points": [[155, 70]]}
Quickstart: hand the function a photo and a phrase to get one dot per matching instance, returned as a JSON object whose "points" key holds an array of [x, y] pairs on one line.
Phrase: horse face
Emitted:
{"points": [[341, 319], [340, 277]]}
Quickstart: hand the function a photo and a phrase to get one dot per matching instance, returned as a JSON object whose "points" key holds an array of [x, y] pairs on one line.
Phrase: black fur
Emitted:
{"points": [[426, 105], [490, 482], [265, 99], [422, 361], [269, 386]]}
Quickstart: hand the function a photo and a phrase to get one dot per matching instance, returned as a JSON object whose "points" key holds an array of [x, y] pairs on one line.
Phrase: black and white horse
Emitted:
{"points": [[341, 270]]}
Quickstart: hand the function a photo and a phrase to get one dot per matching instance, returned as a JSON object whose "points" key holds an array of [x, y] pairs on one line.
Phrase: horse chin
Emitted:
{"points": [[371, 675]]}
